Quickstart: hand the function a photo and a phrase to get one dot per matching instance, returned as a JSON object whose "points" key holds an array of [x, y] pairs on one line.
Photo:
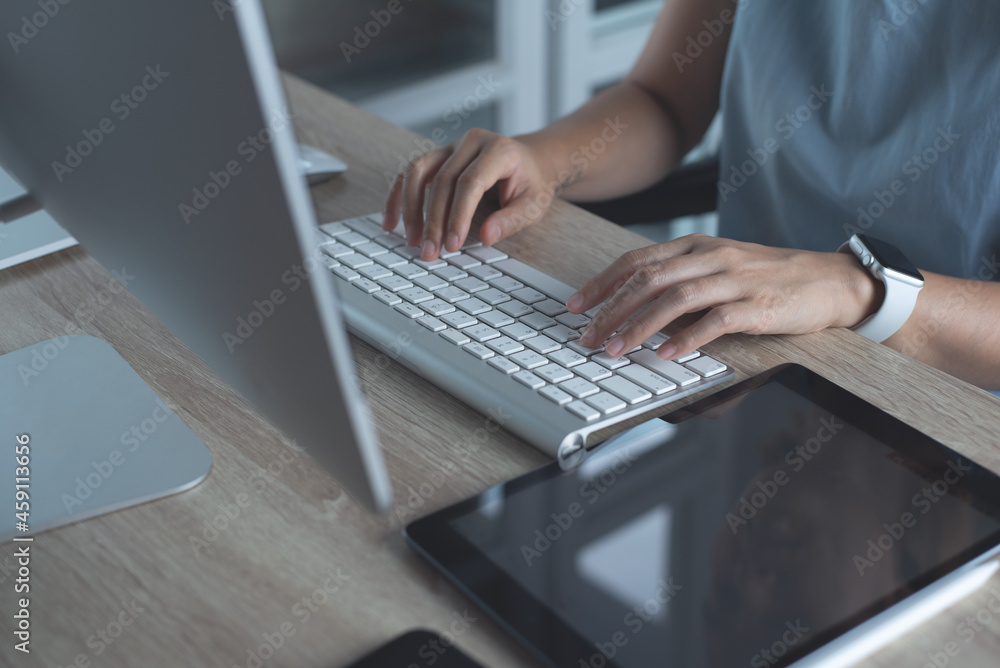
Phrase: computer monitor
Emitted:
{"points": [[157, 133]]}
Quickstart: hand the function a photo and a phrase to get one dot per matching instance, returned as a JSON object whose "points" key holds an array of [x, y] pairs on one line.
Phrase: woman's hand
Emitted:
{"points": [[457, 176], [745, 287]]}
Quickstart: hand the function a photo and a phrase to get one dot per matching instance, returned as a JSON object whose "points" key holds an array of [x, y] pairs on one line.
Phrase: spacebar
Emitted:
{"points": [[535, 279]]}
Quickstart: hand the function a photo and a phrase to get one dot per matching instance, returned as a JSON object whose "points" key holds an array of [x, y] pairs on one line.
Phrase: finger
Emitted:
{"points": [[678, 299], [725, 319], [641, 287], [415, 181], [605, 284], [442, 193], [479, 176], [393, 204], [516, 214]]}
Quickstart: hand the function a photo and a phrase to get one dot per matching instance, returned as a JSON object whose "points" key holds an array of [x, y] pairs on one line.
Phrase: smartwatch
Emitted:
{"points": [[902, 282]]}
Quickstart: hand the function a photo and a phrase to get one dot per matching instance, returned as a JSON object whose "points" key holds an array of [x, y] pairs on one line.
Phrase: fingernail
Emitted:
{"points": [[575, 302], [452, 243], [615, 346], [428, 250], [667, 351]]}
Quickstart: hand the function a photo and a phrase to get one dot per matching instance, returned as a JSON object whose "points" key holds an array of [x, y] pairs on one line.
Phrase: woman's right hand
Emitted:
{"points": [[454, 178]]}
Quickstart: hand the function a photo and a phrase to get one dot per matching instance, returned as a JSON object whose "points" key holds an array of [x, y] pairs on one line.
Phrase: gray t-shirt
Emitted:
{"points": [[880, 116]]}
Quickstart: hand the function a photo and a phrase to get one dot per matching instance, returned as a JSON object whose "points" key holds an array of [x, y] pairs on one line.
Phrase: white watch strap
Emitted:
{"points": [[899, 302]]}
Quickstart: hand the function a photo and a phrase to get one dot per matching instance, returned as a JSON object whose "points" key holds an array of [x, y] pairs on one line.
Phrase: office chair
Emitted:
{"points": [[688, 190]]}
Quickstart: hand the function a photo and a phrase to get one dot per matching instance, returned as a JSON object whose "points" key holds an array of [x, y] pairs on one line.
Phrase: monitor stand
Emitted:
{"points": [[97, 438]]}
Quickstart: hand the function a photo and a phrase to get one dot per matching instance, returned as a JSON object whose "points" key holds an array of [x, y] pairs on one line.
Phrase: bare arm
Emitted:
{"points": [[621, 141]]}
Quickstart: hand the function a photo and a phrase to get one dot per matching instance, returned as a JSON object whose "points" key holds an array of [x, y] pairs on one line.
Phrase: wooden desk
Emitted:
{"points": [[209, 607]]}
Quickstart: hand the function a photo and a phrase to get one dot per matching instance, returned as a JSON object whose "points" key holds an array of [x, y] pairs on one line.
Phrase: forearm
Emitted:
{"points": [[619, 142], [955, 327]]}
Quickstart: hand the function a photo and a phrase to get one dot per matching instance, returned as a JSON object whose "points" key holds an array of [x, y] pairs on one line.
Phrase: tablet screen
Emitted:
{"points": [[749, 535]]}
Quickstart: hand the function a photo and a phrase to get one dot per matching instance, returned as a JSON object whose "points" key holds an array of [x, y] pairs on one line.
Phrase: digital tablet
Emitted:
{"points": [[780, 521]]}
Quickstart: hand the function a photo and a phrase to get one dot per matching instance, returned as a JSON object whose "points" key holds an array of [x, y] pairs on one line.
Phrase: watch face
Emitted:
{"points": [[890, 257]]}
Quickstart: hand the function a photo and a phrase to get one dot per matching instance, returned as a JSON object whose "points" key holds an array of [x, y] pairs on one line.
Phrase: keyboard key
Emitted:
{"points": [[592, 372], [458, 320], [496, 318], [542, 282], [555, 395], [554, 373], [515, 308], [480, 332], [529, 359], [655, 341], [503, 364], [484, 272], [528, 295], [352, 239], [519, 331], [409, 310], [550, 307], [529, 379], [366, 285], [390, 260], [429, 265], [471, 284], [416, 295], [583, 410], [610, 362], [455, 336], [687, 358], [623, 389], [346, 273], [492, 296], [409, 252], [606, 403], [373, 272], [371, 249], [479, 351], [389, 241], [334, 229], [504, 345], [573, 320], [579, 387], [706, 366], [451, 294], [670, 370], [355, 260], [432, 323], [410, 271], [473, 306], [583, 350], [463, 261], [469, 243], [437, 307], [364, 226], [538, 321], [561, 333], [394, 283], [336, 250], [646, 379], [567, 358], [486, 254], [450, 273], [430, 282], [542, 344], [506, 283]]}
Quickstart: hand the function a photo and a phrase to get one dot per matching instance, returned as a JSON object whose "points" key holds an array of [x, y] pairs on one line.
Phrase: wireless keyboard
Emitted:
{"points": [[495, 333]]}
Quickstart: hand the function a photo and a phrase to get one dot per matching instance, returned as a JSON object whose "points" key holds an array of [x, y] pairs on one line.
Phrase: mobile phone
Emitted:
{"points": [[419, 648]]}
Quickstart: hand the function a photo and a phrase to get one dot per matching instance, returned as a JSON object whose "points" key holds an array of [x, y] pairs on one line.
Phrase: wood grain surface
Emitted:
{"points": [[299, 532]]}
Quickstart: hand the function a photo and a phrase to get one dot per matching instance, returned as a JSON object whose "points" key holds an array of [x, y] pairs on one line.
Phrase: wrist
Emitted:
{"points": [[557, 173], [862, 292]]}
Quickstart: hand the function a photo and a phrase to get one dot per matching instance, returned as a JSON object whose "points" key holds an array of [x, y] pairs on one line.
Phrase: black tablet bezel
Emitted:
{"points": [[540, 629]]}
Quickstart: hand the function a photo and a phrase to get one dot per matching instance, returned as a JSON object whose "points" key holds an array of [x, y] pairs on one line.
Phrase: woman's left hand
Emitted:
{"points": [[745, 287]]}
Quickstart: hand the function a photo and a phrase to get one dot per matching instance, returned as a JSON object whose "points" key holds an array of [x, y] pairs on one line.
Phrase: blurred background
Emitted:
{"points": [[441, 67]]}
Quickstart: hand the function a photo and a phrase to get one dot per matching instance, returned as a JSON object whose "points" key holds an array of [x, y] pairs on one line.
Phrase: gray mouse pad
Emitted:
{"points": [[81, 434]]}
